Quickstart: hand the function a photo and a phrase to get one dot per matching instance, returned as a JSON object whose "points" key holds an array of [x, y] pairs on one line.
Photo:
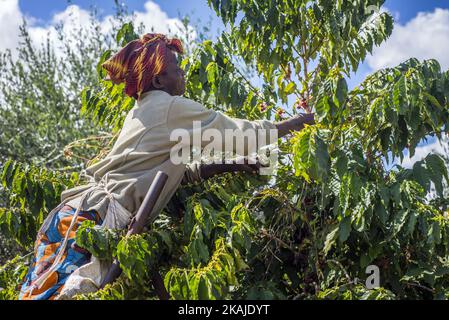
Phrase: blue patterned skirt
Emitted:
{"points": [[47, 248]]}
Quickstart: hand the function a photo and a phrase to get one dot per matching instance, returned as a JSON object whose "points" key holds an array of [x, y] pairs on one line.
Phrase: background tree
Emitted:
{"points": [[331, 210]]}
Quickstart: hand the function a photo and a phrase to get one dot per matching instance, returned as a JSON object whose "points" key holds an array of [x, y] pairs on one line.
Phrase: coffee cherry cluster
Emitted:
{"points": [[263, 107], [280, 112], [302, 104]]}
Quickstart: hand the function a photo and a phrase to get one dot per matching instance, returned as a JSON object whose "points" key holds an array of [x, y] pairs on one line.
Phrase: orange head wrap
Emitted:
{"points": [[140, 61]]}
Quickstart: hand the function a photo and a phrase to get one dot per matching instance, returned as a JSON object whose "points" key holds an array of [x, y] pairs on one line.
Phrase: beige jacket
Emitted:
{"points": [[141, 150]]}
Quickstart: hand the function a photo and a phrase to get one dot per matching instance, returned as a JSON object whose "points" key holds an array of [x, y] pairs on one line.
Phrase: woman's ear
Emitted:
{"points": [[156, 82]]}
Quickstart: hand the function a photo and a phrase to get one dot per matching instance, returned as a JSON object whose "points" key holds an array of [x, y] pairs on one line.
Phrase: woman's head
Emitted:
{"points": [[149, 63]]}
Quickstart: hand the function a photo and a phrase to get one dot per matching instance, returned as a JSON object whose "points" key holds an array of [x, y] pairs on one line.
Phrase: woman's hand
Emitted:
{"points": [[295, 123], [240, 164]]}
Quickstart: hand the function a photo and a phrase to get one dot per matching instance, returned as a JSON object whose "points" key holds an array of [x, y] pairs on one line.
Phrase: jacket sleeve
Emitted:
{"points": [[183, 114]]}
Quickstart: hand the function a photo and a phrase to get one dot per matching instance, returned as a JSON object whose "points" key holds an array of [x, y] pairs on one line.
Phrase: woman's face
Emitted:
{"points": [[172, 80]]}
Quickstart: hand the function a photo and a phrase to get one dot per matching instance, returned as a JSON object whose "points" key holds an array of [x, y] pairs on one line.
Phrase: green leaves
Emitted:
{"points": [[341, 92], [226, 9], [290, 88], [311, 158], [322, 108], [99, 241], [126, 34], [331, 100], [331, 238], [344, 229], [137, 255], [212, 73], [100, 70], [217, 232], [33, 192], [197, 250], [213, 79], [404, 106], [431, 169], [11, 275], [318, 23], [436, 171], [107, 106], [209, 282], [400, 96]]}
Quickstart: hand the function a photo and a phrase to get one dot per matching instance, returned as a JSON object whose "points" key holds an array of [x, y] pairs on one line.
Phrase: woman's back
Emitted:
{"points": [[142, 148]]}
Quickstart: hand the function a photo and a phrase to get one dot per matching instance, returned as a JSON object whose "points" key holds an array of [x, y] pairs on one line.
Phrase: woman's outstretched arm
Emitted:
{"points": [[202, 171], [295, 123]]}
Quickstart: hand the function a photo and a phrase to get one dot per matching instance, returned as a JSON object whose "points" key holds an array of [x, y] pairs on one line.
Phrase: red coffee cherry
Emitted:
{"points": [[280, 112]]}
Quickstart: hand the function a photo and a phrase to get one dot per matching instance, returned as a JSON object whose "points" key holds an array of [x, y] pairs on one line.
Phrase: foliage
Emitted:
{"points": [[40, 97], [332, 209], [34, 191], [11, 275]]}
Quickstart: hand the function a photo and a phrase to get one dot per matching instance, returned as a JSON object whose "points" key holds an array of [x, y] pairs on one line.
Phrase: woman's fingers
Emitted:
{"points": [[308, 118], [254, 168]]}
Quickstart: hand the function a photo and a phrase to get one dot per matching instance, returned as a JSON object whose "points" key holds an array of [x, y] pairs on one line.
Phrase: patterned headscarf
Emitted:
{"points": [[140, 61]]}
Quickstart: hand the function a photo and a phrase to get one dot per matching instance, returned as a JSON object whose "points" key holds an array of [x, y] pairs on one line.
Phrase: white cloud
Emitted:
{"points": [[72, 18], [157, 20], [10, 20], [424, 37]]}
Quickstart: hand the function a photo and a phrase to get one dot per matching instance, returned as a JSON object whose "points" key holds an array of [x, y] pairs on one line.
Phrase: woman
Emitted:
{"points": [[118, 183]]}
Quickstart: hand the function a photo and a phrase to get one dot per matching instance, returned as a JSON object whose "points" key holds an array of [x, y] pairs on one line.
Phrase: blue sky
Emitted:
{"points": [[45, 9], [409, 8], [421, 29]]}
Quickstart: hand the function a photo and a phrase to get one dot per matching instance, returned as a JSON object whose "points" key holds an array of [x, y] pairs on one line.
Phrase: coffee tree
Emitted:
{"points": [[331, 210]]}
